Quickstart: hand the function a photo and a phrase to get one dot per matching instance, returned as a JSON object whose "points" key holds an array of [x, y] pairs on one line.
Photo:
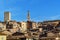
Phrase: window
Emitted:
{"points": [[2, 38]]}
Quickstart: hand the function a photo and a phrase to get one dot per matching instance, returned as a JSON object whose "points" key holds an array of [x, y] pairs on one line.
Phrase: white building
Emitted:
{"points": [[34, 25], [23, 26], [2, 26]]}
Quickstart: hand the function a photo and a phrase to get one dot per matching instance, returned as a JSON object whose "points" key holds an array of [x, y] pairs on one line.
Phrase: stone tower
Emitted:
{"points": [[7, 16], [29, 23], [28, 16]]}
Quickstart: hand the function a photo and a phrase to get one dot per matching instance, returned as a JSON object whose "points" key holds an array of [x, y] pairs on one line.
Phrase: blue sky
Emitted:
{"points": [[40, 10]]}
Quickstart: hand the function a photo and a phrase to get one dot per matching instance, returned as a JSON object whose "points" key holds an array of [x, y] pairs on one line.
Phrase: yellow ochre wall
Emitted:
{"points": [[2, 37]]}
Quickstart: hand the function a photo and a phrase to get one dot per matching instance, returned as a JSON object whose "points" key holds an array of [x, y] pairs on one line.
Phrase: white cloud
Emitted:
{"points": [[55, 17]]}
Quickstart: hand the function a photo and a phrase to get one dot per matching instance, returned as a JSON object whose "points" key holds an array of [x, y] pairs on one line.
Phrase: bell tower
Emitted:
{"points": [[28, 16], [29, 23]]}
